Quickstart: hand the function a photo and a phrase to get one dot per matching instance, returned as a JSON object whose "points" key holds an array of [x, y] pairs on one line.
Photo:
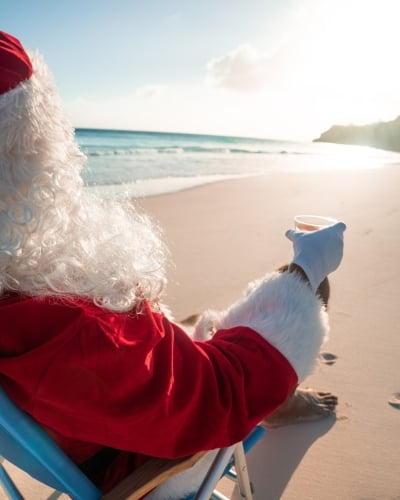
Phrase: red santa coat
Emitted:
{"points": [[135, 382]]}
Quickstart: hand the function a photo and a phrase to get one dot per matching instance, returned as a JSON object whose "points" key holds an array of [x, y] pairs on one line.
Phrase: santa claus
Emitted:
{"points": [[85, 347]]}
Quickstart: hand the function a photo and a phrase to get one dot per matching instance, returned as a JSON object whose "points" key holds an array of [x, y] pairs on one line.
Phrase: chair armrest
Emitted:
{"points": [[150, 475]]}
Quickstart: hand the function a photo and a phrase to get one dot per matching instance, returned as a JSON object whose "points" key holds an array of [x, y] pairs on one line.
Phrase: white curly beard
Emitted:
{"points": [[56, 238]]}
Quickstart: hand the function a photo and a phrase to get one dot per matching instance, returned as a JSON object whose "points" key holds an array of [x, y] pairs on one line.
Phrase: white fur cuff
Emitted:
{"points": [[282, 308]]}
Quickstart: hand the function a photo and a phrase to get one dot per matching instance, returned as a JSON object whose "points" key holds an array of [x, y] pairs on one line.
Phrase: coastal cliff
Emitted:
{"points": [[381, 135]]}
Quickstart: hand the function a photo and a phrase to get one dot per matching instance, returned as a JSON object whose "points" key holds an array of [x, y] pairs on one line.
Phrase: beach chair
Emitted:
{"points": [[26, 445]]}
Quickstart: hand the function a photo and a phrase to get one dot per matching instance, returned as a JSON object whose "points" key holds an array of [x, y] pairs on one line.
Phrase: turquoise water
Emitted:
{"points": [[146, 163]]}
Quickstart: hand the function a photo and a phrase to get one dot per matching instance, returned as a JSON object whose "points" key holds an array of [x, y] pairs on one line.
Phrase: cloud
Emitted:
{"points": [[149, 91], [243, 69]]}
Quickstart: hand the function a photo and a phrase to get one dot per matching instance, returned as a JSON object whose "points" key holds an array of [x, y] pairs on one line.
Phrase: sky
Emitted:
{"points": [[283, 69]]}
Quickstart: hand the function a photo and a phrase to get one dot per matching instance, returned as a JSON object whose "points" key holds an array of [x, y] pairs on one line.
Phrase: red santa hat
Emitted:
{"points": [[15, 65]]}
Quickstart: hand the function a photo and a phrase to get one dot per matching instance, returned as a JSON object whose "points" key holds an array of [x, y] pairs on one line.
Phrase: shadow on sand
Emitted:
{"points": [[273, 461]]}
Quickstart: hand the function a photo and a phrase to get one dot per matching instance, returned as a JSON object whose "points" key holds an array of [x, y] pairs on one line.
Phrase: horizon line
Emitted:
{"points": [[200, 134]]}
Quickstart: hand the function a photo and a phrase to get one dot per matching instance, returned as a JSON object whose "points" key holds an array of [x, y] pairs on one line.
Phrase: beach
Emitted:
{"points": [[225, 234]]}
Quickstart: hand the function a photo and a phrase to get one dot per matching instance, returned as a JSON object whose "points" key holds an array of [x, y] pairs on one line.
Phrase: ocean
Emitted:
{"points": [[140, 164]]}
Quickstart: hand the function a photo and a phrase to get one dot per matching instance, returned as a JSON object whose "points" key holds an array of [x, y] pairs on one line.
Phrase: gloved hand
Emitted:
{"points": [[318, 253]]}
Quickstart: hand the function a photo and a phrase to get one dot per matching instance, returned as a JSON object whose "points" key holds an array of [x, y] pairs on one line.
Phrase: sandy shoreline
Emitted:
{"points": [[225, 234]]}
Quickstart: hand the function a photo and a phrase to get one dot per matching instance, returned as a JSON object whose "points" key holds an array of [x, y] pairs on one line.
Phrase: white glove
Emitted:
{"points": [[318, 253]]}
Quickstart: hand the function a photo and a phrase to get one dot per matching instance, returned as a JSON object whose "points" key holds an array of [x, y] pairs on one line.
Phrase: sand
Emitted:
{"points": [[223, 235]]}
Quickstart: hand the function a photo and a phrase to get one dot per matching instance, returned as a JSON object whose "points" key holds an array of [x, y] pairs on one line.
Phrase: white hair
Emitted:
{"points": [[55, 237]]}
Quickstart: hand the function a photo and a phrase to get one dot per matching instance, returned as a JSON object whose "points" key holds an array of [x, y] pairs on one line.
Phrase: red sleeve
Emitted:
{"points": [[139, 383]]}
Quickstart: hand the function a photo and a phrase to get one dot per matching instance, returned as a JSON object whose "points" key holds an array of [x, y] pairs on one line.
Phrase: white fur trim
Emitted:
{"points": [[282, 308], [184, 483]]}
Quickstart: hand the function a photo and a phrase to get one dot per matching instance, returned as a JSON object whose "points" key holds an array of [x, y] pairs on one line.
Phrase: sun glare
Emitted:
{"points": [[351, 54]]}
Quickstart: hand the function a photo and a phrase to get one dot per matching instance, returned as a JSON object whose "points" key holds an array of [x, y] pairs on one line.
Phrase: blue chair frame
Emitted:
{"points": [[25, 444]]}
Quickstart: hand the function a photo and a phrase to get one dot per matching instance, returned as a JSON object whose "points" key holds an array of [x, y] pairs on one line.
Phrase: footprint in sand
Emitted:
{"points": [[394, 401], [327, 358]]}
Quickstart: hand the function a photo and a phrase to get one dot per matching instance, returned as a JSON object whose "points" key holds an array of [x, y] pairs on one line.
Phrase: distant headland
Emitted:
{"points": [[381, 135]]}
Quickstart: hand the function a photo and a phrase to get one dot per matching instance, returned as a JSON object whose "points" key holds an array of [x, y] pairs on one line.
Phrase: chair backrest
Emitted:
{"points": [[25, 444]]}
